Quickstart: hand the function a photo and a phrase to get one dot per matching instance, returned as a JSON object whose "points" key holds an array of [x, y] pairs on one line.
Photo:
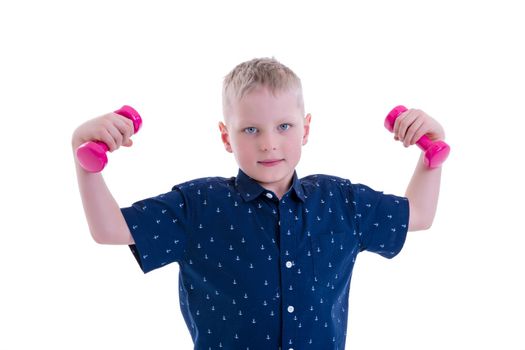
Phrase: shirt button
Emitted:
{"points": [[290, 309], [289, 264], [269, 195]]}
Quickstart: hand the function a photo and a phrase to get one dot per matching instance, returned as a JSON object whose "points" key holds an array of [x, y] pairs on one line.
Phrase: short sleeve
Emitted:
{"points": [[159, 228], [382, 220]]}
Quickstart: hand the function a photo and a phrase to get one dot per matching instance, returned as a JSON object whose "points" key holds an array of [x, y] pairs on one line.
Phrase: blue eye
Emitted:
{"points": [[284, 126], [251, 130]]}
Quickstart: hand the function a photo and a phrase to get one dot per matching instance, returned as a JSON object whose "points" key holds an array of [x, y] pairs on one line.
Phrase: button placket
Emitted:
{"points": [[287, 253]]}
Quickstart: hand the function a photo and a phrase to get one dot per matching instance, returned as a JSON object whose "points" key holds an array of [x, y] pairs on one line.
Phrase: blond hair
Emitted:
{"points": [[267, 72]]}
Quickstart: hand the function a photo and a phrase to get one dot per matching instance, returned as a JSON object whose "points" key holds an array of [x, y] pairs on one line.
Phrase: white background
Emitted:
{"points": [[459, 285]]}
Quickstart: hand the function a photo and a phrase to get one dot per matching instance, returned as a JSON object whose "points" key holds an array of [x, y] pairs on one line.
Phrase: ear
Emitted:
{"points": [[225, 137], [307, 120]]}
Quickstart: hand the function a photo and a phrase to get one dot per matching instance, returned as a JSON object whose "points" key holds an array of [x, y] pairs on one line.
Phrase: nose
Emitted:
{"points": [[267, 143]]}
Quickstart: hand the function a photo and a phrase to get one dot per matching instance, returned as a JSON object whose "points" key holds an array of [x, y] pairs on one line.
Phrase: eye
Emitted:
{"points": [[284, 126], [250, 130]]}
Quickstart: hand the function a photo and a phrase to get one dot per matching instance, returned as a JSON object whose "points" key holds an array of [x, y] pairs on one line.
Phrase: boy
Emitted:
{"points": [[265, 258]]}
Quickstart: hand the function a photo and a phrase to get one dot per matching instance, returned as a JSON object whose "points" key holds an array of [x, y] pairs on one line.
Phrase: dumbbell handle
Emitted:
{"points": [[436, 152], [92, 154]]}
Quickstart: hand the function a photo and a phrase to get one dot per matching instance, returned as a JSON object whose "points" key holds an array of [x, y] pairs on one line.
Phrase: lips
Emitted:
{"points": [[270, 162]]}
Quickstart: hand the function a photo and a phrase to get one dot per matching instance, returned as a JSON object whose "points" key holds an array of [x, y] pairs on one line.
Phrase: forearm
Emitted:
{"points": [[105, 220], [423, 193]]}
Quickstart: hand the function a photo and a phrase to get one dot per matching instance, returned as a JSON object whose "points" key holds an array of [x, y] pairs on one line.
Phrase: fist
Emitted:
{"points": [[414, 123], [112, 129]]}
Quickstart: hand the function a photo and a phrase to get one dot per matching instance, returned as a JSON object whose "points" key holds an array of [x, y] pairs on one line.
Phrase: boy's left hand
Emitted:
{"points": [[414, 123]]}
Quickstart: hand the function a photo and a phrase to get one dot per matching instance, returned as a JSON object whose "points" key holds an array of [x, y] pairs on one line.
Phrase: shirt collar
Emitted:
{"points": [[251, 189]]}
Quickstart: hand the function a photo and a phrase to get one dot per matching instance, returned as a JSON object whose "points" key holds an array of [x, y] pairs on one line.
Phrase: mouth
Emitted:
{"points": [[270, 162]]}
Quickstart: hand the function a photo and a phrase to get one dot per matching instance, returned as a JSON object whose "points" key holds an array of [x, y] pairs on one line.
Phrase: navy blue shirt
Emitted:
{"points": [[259, 273]]}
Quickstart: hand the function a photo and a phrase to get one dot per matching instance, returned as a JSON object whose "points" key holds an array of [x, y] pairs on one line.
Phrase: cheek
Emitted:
{"points": [[293, 148], [295, 142], [241, 146]]}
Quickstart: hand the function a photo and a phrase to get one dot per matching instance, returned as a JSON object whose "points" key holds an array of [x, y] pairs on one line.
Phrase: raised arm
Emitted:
{"points": [[423, 190], [423, 193], [105, 220]]}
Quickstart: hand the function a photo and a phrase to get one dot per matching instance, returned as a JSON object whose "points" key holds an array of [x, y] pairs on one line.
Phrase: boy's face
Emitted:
{"points": [[266, 133]]}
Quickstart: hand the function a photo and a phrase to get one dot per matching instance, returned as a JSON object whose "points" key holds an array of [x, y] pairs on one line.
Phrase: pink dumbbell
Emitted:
{"points": [[436, 152], [92, 154]]}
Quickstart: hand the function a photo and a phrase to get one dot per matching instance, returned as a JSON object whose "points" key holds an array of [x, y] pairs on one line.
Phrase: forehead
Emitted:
{"points": [[261, 104]]}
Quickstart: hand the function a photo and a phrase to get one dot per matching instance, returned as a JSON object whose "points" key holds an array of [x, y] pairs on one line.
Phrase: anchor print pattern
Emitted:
{"points": [[257, 272]]}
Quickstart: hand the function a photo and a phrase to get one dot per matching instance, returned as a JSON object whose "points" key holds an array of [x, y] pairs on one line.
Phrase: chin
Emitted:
{"points": [[273, 176]]}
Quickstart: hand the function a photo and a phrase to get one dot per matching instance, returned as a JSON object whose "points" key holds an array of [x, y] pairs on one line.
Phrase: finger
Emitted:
{"points": [[404, 124], [412, 132], [420, 132], [125, 124], [108, 139], [116, 135], [397, 122], [125, 127]]}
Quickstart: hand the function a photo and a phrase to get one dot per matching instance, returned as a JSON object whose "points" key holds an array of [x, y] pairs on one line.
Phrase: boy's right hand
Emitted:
{"points": [[112, 129]]}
